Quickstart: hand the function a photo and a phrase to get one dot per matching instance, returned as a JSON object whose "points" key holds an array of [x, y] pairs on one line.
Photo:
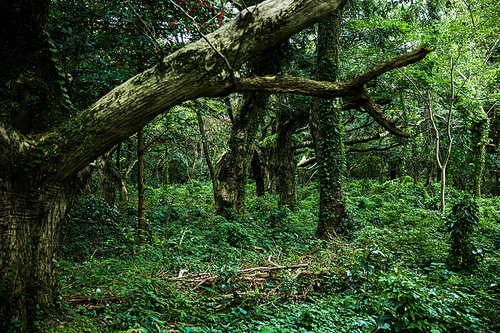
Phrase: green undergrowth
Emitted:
{"points": [[264, 271]]}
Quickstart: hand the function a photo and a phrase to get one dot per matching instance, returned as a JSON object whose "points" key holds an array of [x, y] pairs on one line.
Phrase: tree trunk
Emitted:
{"points": [[286, 124], [257, 174], [233, 165], [479, 131], [269, 158], [141, 225], [393, 173], [33, 214], [107, 180], [442, 206], [123, 192], [206, 152], [327, 133]]}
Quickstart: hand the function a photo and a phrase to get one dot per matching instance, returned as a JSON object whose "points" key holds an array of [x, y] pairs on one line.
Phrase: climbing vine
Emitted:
{"points": [[332, 162]]}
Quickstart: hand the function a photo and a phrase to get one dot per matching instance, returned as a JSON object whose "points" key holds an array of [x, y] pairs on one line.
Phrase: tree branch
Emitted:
{"points": [[367, 139], [365, 150]]}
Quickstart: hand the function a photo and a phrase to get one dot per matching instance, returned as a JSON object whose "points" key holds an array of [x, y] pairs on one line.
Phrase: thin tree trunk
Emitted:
{"points": [[141, 226], [479, 131], [206, 152], [286, 124], [443, 189], [257, 174]]}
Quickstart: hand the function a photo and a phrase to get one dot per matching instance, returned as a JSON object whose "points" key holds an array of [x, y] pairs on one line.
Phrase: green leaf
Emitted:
{"points": [[206, 288]]}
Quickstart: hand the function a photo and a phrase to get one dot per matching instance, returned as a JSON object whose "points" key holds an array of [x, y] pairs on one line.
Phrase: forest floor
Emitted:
{"points": [[392, 267]]}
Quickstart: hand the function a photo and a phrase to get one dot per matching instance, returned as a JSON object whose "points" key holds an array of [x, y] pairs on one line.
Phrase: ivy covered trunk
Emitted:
{"points": [[479, 131], [327, 131]]}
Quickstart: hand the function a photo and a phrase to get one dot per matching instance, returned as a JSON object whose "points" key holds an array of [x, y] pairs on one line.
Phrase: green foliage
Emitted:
{"points": [[462, 225], [389, 275], [232, 233], [96, 230]]}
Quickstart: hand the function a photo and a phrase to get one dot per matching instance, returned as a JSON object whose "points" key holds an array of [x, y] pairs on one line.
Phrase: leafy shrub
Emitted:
{"points": [[232, 233], [95, 228]]}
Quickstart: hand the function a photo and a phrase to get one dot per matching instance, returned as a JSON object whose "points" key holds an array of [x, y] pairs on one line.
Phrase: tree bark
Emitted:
{"points": [[286, 124], [232, 174], [141, 216], [234, 165], [269, 157], [206, 152], [32, 218], [479, 131], [107, 180], [257, 174]]}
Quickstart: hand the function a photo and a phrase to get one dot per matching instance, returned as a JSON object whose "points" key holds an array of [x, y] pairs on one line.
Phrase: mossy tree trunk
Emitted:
{"points": [[107, 179], [479, 131], [233, 167], [33, 213]]}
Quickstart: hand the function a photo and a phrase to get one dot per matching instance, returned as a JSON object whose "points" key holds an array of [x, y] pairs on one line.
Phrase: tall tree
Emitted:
{"points": [[286, 124], [41, 170], [326, 129], [234, 164]]}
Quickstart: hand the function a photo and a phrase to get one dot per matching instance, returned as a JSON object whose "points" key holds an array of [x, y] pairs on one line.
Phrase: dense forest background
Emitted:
{"points": [[275, 212]]}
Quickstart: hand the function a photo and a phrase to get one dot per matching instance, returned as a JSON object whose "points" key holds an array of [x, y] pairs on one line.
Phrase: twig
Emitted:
{"points": [[151, 35], [180, 243], [271, 268], [206, 276]]}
